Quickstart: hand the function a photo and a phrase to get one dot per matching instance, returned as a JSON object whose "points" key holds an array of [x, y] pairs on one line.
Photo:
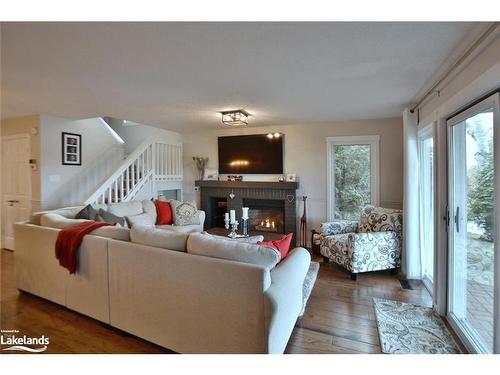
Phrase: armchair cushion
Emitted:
{"points": [[379, 219], [339, 227]]}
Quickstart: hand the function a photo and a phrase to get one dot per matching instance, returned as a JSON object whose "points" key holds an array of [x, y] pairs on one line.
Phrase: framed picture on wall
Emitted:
{"points": [[71, 149]]}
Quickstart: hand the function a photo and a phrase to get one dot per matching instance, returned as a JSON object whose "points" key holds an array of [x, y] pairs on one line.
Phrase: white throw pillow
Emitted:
{"points": [[142, 219], [150, 209], [151, 236], [185, 213], [126, 208], [201, 244]]}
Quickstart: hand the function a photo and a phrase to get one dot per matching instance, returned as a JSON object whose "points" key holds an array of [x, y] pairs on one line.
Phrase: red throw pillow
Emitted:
{"points": [[282, 245], [164, 213]]}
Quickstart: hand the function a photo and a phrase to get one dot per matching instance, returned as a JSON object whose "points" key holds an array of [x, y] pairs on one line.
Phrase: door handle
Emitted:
{"points": [[12, 201], [457, 218]]}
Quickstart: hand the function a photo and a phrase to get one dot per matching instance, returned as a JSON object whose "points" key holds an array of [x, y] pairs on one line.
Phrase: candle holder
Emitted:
{"points": [[234, 228], [244, 227]]}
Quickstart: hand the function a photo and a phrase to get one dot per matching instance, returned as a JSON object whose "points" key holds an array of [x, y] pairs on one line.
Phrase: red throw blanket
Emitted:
{"points": [[69, 240]]}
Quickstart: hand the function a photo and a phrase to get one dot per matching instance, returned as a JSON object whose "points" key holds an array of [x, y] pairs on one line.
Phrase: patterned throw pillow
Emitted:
{"points": [[88, 212], [185, 213]]}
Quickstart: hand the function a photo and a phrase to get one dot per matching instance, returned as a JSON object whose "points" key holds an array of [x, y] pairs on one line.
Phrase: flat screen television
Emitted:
{"points": [[251, 154]]}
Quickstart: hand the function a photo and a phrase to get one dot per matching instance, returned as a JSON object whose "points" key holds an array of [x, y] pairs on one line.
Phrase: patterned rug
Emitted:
{"points": [[405, 328], [309, 281]]}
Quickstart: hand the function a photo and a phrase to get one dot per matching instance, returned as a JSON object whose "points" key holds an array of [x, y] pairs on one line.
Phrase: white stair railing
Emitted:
{"points": [[154, 160]]}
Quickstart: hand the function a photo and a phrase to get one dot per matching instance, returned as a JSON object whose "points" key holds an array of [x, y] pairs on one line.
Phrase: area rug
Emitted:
{"points": [[405, 328], [309, 281]]}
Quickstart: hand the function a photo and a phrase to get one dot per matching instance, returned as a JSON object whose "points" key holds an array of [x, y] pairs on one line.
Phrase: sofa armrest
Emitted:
{"points": [[283, 299], [339, 227]]}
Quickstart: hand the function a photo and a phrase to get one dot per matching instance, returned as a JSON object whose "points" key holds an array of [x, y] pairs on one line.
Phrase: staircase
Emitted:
{"points": [[154, 161]]}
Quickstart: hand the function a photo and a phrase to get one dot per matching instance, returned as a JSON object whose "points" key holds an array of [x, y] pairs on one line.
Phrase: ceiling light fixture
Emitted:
{"points": [[235, 118]]}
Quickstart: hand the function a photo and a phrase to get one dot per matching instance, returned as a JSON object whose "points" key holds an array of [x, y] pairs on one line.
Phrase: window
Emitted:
{"points": [[353, 168], [426, 190]]}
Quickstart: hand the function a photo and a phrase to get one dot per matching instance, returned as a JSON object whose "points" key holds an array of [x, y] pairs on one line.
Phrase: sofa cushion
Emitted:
{"points": [[53, 220], [88, 212], [150, 208], [114, 232], [126, 208], [183, 229], [185, 213], [200, 244], [151, 236], [110, 218], [141, 219]]}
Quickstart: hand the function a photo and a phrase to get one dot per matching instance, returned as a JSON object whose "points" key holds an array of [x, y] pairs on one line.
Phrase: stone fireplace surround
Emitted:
{"points": [[251, 191]]}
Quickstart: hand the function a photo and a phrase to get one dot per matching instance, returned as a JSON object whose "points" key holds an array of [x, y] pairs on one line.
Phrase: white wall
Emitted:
{"points": [[135, 135], [65, 185], [305, 155]]}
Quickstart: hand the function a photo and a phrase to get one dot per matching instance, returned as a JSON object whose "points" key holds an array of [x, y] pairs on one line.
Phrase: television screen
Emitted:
{"points": [[251, 154]]}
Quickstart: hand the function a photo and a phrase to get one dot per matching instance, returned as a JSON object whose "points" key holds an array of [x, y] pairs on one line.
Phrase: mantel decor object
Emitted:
{"points": [[303, 226], [200, 163]]}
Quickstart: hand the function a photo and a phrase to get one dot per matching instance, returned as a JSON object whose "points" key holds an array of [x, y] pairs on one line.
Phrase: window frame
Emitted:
{"points": [[374, 142]]}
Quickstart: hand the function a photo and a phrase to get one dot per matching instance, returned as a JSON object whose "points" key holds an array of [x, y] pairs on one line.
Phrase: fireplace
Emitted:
{"points": [[268, 202], [266, 215]]}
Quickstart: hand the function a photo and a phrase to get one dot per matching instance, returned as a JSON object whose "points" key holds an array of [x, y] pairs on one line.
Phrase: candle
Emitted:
{"points": [[244, 215], [226, 217], [233, 216]]}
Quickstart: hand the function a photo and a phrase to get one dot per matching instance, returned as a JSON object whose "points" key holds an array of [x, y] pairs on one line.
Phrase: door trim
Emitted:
{"points": [[27, 137]]}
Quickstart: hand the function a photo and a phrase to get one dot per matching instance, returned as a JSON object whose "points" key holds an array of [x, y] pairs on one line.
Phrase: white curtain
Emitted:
{"points": [[410, 261]]}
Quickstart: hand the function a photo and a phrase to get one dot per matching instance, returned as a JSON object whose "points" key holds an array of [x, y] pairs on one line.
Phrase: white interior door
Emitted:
{"points": [[473, 238], [16, 185]]}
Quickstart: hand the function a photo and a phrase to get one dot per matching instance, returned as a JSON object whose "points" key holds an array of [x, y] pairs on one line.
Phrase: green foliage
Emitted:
{"points": [[352, 180], [482, 184]]}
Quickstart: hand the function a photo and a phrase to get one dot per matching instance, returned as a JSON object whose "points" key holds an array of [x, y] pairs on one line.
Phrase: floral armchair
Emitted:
{"points": [[372, 244]]}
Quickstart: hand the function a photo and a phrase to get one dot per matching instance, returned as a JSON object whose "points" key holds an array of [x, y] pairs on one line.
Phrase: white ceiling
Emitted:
{"points": [[178, 75]]}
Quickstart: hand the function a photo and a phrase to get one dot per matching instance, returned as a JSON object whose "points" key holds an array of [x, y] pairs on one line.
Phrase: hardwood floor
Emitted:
{"points": [[339, 317]]}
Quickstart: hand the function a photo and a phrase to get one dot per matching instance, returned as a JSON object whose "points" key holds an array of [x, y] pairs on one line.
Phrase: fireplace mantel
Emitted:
{"points": [[248, 184]]}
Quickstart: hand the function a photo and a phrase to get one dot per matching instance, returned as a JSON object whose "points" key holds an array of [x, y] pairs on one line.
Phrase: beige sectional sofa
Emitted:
{"points": [[188, 292]]}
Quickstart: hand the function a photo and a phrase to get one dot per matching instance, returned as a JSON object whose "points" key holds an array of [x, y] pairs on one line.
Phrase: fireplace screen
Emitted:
{"points": [[265, 215]]}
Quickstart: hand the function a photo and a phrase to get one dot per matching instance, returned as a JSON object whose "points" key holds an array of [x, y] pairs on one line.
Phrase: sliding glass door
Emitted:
{"points": [[426, 199], [473, 243]]}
